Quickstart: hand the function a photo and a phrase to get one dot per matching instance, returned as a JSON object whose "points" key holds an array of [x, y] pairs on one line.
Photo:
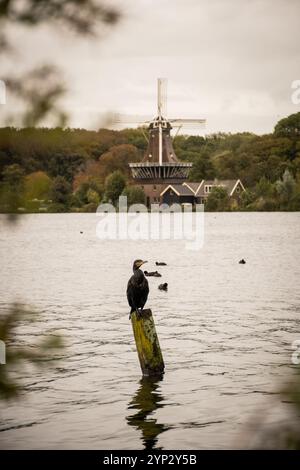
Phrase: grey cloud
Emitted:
{"points": [[233, 60]]}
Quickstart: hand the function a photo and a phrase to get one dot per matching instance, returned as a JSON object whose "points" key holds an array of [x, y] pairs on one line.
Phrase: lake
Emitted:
{"points": [[225, 329]]}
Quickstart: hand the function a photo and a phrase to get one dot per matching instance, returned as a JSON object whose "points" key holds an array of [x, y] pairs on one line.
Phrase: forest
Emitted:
{"points": [[73, 170]]}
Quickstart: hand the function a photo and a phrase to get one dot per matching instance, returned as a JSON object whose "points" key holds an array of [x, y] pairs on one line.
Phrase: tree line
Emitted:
{"points": [[62, 170]]}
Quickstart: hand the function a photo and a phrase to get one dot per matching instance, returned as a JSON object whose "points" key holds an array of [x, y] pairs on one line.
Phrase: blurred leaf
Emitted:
{"points": [[11, 325], [40, 91], [81, 16]]}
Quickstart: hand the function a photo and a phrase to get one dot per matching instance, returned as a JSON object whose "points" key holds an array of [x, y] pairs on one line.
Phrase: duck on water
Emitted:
{"points": [[163, 286], [152, 274]]}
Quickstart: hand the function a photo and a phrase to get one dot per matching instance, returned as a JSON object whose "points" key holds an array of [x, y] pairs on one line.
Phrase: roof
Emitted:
{"points": [[229, 185], [179, 189], [195, 187]]}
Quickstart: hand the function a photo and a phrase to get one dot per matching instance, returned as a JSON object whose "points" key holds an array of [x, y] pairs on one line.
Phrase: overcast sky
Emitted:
{"points": [[230, 61]]}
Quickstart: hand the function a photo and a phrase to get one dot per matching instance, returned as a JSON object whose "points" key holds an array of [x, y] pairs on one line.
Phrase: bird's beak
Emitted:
{"points": [[143, 262]]}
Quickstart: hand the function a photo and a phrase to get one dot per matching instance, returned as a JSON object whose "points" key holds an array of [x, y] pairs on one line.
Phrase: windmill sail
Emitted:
{"points": [[162, 97], [160, 161]]}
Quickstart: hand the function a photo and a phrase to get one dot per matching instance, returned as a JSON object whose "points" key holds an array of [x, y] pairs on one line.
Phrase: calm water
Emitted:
{"points": [[225, 331]]}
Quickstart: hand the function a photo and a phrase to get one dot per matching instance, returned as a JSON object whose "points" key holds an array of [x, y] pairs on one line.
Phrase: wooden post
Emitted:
{"points": [[147, 344]]}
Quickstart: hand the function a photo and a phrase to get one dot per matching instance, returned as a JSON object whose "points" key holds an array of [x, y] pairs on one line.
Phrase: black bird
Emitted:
{"points": [[160, 263], [152, 274], [163, 286], [137, 288], [242, 261]]}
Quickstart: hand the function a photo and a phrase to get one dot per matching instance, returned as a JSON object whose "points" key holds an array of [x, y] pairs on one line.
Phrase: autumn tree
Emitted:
{"points": [[60, 194], [114, 186], [37, 185], [118, 158]]}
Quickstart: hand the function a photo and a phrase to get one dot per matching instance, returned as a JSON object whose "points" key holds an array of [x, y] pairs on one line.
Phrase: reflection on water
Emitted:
{"points": [[146, 400]]}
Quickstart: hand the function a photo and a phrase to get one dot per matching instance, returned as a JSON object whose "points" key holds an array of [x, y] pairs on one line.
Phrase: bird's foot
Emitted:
{"points": [[139, 312]]}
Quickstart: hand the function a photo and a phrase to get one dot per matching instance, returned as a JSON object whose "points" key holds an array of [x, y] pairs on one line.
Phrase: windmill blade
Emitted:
{"points": [[187, 122], [162, 97], [118, 118]]}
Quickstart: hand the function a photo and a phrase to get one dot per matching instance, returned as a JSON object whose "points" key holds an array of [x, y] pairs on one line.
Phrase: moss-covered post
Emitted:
{"points": [[147, 343]]}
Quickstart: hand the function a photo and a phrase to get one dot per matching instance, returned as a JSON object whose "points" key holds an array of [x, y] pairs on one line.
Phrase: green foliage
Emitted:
{"points": [[247, 199], [203, 168], [189, 143], [289, 126], [65, 152], [90, 190], [287, 191], [13, 175], [135, 137], [135, 195], [114, 186], [264, 188], [61, 193], [92, 196], [218, 200], [37, 186], [65, 164], [12, 188], [85, 159]]}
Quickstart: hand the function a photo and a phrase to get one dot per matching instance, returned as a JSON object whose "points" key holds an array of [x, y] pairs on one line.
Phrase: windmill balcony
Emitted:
{"points": [[160, 171], [166, 164]]}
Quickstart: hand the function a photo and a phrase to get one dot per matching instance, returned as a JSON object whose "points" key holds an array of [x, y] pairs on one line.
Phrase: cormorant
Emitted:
{"points": [[137, 288], [163, 286], [242, 261]]}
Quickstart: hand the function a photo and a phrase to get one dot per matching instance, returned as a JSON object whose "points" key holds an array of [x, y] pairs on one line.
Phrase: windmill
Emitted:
{"points": [[160, 165]]}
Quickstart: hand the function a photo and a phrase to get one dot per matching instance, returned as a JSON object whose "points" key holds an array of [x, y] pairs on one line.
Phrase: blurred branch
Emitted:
{"points": [[40, 91], [41, 88], [83, 16], [277, 425], [17, 356]]}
